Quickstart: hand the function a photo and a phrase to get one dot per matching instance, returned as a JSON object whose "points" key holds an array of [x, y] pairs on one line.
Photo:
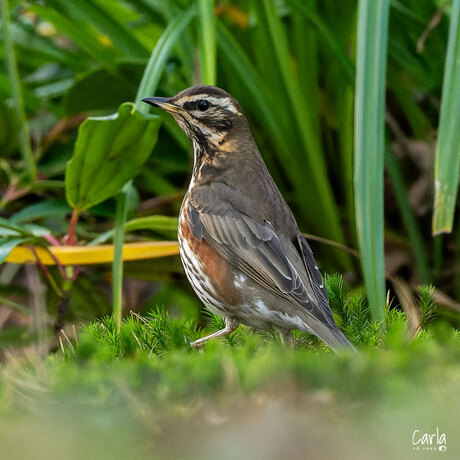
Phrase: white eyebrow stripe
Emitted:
{"points": [[223, 102]]}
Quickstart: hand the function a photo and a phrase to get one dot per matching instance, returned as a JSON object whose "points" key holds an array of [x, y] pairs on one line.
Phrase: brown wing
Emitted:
{"points": [[257, 251]]}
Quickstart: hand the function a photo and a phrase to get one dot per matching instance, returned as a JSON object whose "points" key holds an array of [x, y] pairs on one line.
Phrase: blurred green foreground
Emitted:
{"points": [[146, 394]]}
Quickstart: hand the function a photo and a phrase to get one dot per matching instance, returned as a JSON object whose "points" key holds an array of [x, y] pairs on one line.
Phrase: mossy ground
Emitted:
{"points": [[146, 394]]}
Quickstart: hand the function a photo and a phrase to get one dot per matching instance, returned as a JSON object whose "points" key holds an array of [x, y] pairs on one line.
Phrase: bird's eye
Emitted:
{"points": [[202, 105]]}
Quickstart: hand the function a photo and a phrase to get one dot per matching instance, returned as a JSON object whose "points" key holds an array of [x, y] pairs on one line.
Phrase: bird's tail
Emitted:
{"points": [[333, 338]]}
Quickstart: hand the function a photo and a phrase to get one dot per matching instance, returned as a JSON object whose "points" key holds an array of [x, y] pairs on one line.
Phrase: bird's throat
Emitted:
{"points": [[210, 161]]}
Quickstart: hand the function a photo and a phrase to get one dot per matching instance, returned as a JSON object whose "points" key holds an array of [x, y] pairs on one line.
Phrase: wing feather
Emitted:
{"points": [[257, 251], [314, 275]]}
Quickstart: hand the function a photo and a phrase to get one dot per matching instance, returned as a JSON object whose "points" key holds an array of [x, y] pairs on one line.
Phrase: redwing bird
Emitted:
{"points": [[239, 242]]}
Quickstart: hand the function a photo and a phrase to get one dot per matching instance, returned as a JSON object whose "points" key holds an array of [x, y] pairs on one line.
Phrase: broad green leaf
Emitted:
{"points": [[109, 152], [447, 161], [371, 55]]}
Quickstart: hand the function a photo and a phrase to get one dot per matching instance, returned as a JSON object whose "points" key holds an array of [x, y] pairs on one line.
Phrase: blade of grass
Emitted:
{"points": [[259, 48], [117, 265], [407, 60], [251, 79], [16, 92], [207, 42], [159, 55], [266, 107], [438, 250], [35, 49], [447, 160], [310, 139], [260, 94], [371, 55], [342, 93], [304, 9], [163, 225], [186, 43], [409, 220], [305, 50], [123, 38], [85, 40], [345, 108]]}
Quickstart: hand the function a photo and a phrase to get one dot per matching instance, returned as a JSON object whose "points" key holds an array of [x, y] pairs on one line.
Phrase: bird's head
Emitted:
{"points": [[206, 114]]}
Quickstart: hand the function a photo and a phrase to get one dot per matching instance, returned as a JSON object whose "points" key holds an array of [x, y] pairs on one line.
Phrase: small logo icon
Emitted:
{"points": [[429, 441]]}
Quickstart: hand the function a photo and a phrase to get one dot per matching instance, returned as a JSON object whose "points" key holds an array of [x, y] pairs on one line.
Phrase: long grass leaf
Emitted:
{"points": [[286, 147], [16, 91], [250, 78], [447, 161], [369, 146], [327, 37], [105, 22], [85, 40], [305, 50], [409, 220], [345, 109], [159, 55], [310, 139]]}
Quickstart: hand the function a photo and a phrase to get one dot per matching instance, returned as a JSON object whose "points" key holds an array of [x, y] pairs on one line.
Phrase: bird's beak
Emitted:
{"points": [[162, 103]]}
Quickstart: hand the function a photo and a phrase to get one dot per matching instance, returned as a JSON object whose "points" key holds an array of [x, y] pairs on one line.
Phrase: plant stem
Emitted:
{"points": [[16, 92], [71, 237], [117, 266], [207, 42]]}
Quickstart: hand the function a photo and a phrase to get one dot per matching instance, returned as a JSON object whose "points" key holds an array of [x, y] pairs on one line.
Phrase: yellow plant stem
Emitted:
{"points": [[86, 255]]}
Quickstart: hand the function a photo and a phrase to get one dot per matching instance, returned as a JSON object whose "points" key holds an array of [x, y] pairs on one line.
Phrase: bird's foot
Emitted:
{"points": [[198, 344], [230, 325]]}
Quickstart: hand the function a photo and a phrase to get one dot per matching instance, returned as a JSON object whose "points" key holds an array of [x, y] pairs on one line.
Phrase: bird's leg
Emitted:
{"points": [[287, 339], [230, 325]]}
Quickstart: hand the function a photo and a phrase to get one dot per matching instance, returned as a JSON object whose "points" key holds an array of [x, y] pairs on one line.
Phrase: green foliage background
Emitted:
{"points": [[292, 65], [345, 100]]}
